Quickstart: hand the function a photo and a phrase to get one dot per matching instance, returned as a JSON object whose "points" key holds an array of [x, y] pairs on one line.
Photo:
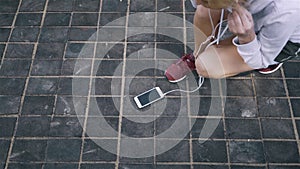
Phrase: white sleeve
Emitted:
{"points": [[270, 40]]}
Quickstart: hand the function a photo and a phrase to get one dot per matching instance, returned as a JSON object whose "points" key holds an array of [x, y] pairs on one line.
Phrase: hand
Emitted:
{"points": [[240, 23]]}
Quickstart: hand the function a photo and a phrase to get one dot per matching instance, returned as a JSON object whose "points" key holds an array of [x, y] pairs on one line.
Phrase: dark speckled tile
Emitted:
{"points": [[9, 104], [63, 150], [275, 150], [293, 87], [209, 151], [7, 125], [9, 5], [269, 87], [32, 5], [12, 86], [246, 152], [247, 128], [277, 129], [279, 107], [28, 151], [19, 51], [24, 166], [60, 166], [60, 5]]}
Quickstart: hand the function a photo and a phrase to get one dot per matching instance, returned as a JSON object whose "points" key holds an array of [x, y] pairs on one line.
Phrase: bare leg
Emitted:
{"points": [[216, 62]]}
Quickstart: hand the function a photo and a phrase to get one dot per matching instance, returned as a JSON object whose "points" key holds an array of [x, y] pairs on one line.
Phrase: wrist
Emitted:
{"points": [[244, 39]]}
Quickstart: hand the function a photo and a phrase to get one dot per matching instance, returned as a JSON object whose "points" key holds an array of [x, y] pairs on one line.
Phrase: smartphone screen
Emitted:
{"points": [[148, 97]]}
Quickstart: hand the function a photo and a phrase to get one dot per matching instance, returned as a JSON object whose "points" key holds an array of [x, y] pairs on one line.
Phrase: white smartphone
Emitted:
{"points": [[144, 99]]}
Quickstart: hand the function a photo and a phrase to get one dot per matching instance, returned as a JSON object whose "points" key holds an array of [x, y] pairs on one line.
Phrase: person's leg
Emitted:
{"points": [[215, 62], [220, 62], [202, 23]]}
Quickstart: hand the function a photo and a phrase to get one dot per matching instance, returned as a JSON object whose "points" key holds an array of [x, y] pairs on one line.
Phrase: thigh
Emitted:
{"points": [[220, 62]]}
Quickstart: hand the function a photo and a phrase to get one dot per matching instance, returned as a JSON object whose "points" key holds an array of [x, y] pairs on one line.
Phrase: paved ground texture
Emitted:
{"points": [[69, 72]]}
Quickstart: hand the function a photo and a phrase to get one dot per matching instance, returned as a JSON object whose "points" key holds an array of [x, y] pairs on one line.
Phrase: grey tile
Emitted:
{"points": [[29, 19], [73, 67], [73, 86], [28, 151], [214, 129], [60, 166], [281, 152], [112, 19], [60, 5], [32, 5], [246, 152], [24, 166], [9, 104], [54, 35], [9, 6], [33, 127], [7, 126], [63, 150], [107, 106], [94, 152], [247, 167], [19, 51], [209, 151], [66, 127], [42, 86], [291, 69], [4, 147], [283, 167], [114, 6], [247, 129], [50, 51], [46, 68], [277, 128], [82, 34], [273, 107], [86, 6], [170, 6], [173, 166], [38, 105], [80, 50], [236, 87], [68, 105], [136, 166], [4, 34], [269, 87], [57, 19], [84, 19], [12, 86], [293, 87], [296, 107], [179, 153], [25, 34], [142, 6], [15, 68], [210, 166], [138, 129], [241, 107], [97, 166], [6, 19], [110, 50]]}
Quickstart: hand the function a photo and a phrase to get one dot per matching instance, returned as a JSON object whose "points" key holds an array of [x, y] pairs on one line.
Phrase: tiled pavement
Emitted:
{"points": [[57, 73]]}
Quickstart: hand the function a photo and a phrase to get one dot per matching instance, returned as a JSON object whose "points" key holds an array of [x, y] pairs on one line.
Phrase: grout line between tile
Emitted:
{"points": [[27, 79], [291, 110], [123, 83], [84, 127]]}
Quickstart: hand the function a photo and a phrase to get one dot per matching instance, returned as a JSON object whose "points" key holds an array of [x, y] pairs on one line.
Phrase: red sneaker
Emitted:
{"points": [[270, 69], [178, 71]]}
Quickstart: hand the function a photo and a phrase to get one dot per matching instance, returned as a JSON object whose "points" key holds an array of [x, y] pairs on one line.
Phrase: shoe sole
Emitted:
{"points": [[272, 71], [178, 80]]}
